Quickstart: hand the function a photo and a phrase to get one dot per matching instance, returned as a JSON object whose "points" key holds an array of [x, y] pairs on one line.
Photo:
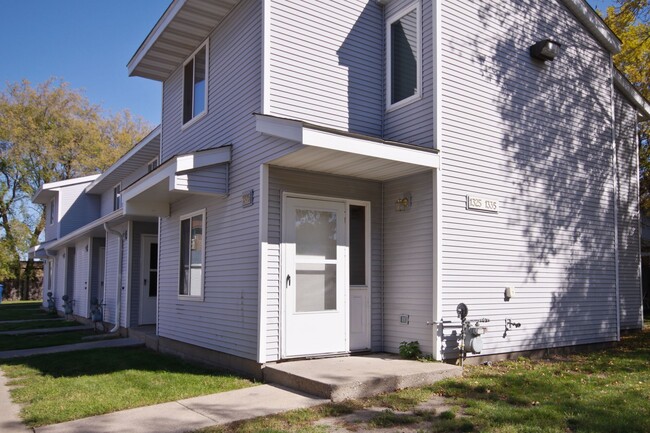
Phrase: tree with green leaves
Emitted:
{"points": [[50, 132]]}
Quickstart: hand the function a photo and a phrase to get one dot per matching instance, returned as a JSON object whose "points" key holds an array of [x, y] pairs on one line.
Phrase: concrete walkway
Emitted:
{"points": [[10, 421], [192, 413], [31, 320], [118, 342]]}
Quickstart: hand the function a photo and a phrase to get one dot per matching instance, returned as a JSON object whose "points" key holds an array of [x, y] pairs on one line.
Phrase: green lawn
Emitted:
{"points": [[607, 391], [23, 310], [36, 324], [16, 342], [62, 387]]}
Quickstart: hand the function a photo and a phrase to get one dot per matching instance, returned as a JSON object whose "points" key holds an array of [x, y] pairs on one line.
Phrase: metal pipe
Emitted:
{"points": [[118, 296]]}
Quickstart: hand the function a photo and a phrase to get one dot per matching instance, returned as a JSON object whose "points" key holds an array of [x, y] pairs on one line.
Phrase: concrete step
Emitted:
{"points": [[357, 376]]}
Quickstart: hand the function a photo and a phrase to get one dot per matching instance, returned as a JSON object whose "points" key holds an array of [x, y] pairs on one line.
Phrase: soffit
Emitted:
{"points": [[182, 28]]}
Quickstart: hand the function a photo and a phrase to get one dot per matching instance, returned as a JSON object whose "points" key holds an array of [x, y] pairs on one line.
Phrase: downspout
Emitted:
{"points": [[118, 296]]}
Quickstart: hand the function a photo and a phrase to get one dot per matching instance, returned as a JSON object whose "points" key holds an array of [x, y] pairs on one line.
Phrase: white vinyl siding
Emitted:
{"points": [[537, 138], [628, 215], [326, 64], [408, 261]]}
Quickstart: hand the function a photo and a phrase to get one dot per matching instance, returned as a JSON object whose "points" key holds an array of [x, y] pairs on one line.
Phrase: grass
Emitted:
{"points": [[31, 341], [606, 391], [36, 324], [23, 310], [62, 387]]}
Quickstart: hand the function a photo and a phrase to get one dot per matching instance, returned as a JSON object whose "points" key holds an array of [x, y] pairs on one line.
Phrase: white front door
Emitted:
{"points": [[314, 278], [149, 278]]}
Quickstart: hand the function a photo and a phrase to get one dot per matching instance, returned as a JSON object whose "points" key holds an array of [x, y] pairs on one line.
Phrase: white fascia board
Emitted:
{"points": [[295, 130], [625, 87], [84, 230], [154, 34], [128, 155], [162, 174], [203, 158], [590, 19], [359, 146], [277, 127], [48, 190]]}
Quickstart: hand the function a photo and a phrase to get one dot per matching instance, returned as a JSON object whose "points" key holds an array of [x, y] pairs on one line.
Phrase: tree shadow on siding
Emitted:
{"points": [[556, 140], [362, 53]]}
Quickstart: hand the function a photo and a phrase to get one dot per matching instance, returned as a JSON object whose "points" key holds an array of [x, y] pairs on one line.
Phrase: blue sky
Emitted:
{"points": [[88, 44]]}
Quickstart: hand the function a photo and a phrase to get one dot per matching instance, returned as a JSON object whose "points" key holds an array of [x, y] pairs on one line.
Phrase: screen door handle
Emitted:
{"points": [[288, 281]]}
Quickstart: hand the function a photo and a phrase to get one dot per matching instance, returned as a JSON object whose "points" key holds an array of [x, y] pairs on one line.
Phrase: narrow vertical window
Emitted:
{"points": [[357, 245], [117, 196], [51, 211], [191, 255], [195, 74], [403, 56]]}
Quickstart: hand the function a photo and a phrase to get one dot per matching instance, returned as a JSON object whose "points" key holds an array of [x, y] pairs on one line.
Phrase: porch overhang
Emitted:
{"points": [[183, 26], [203, 172], [346, 154]]}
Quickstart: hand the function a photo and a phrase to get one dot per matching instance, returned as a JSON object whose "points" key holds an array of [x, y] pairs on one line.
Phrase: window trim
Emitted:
{"points": [[190, 58], [117, 196], [201, 297], [417, 6]]}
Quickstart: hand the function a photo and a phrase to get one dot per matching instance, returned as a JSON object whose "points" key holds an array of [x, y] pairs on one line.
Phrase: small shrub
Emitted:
{"points": [[410, 350], [447, 415]]}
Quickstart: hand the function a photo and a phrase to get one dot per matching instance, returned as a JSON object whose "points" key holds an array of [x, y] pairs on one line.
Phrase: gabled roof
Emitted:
{"points": [[183, 26], [49, 190], [146, 150]]}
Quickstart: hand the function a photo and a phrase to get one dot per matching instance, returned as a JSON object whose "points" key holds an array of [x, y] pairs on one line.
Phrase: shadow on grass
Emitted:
{"points": [[601, 392], [105, 361]]}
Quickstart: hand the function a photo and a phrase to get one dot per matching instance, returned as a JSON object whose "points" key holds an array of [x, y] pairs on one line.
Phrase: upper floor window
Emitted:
{"points": [[403, 54], [195, 76], [191, 254], [117, 196], [153, 164], [51, 211]]}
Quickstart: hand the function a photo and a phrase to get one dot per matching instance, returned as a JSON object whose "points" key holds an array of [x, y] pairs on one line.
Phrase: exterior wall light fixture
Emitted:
{"points": [[545, 50], [403, 203]]}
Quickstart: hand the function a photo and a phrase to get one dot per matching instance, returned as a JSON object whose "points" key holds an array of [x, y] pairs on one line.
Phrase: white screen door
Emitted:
{"points": [[315, 277], [149, 275]]}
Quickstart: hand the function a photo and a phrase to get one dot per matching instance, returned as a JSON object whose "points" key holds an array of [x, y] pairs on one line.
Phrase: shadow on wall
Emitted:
{"points": [[553, 146], [363, 55]]}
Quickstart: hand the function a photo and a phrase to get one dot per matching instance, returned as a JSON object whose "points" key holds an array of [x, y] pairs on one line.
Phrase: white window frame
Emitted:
{"points": [[202, 114], [152, 165], [117, 196], [51, 211], [188, 297], [389, 21]]}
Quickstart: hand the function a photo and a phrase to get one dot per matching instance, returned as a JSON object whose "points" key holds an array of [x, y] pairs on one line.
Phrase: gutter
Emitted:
{"points": [[118, 296]]}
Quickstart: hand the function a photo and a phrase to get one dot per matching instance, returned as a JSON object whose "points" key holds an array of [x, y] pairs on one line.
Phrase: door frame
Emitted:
{"points": [[146, 238], [346, 291]]}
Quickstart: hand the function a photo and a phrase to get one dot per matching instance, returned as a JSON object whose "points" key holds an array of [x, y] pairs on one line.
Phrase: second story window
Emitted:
{"points": [[403, 48], [117, 196], [195, 76], [51, 211]]}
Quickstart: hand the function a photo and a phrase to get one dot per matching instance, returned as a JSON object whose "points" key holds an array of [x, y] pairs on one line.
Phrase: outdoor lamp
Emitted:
{"points": [[545, 50]]}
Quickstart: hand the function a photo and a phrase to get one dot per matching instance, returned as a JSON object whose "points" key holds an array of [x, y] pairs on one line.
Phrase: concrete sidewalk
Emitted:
{"points": [[10, 421], [192, 413], [118, 342]]}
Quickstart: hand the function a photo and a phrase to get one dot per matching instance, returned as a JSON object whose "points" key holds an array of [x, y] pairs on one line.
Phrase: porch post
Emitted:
{"points": [[263, 204]]}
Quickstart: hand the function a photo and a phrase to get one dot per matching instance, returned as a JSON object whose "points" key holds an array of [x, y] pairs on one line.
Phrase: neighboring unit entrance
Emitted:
{"points": [[149, 275], [314, 278]]}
